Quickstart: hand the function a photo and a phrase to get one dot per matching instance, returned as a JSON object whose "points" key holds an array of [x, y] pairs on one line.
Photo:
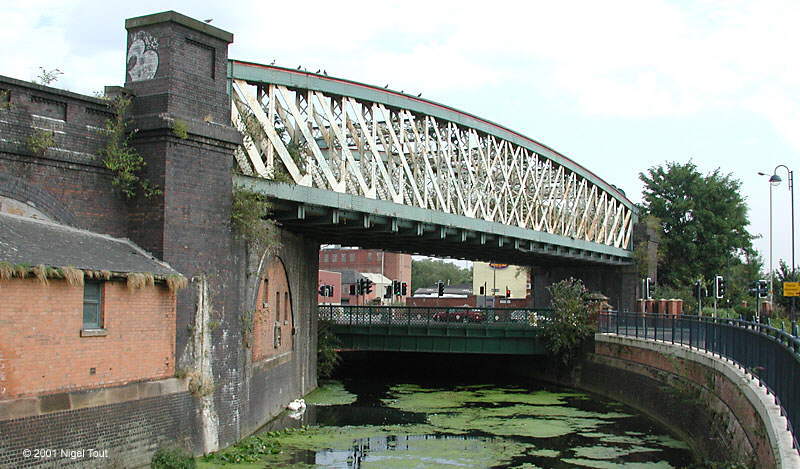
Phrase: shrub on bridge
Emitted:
{"points": [[571, 324]]}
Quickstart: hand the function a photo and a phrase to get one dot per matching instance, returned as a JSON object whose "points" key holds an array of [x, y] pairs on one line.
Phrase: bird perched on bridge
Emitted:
{"points": [[387, 85], [325, 72], [273, 62], [419, 95], [209, 20], [299, 67], [318, 70]]}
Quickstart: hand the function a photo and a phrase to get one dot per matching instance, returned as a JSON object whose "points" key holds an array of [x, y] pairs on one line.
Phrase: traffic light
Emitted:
{"points": [[396, 287], [698, 289], [508, 293], [483, 291], [368, 286], [440, 287], [360, 287], [763, 289], [388, 292], [353, 290], [404, 289], [719, 286], [323, 290], [648, 288]]}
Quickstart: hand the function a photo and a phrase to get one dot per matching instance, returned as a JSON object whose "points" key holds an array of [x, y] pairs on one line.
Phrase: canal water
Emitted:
{"points": [[364, 422]]}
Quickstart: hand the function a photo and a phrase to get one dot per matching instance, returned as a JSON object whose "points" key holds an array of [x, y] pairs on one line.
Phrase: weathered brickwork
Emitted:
{"points": [[67, 181], [270, 383], [131, 431], [42, 321], [273, 320], [188, 226]]}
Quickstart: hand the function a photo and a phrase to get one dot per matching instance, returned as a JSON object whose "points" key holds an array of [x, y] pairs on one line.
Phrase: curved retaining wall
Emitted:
{"points": [[710, 402]]}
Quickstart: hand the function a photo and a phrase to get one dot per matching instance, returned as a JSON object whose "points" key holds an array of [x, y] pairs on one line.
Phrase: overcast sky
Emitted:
{"points": [[618, 86]]}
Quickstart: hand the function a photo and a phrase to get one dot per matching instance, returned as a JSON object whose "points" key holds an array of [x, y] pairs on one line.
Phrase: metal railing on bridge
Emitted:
{"points": [[769, 354], [432, 316]]}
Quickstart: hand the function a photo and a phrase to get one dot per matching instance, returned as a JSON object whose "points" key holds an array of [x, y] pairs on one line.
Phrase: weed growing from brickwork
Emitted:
{"points": [[47, 77], [180, 129], [121, 158], [247, 219], [5, 100], [40, 141]]}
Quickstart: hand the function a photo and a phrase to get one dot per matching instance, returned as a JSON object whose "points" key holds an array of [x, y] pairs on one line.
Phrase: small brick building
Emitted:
{"points": [[80, 311]]}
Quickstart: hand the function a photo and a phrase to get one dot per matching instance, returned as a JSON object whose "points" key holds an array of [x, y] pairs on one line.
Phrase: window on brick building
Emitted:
{"points": [[325, 258], [352, 257], [333, 257], [92, 305]]}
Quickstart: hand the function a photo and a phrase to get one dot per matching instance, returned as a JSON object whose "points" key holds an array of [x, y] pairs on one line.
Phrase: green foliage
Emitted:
{"points": [[40, 141], [703, 221], [47, 77], [783, 274], [251, 449], [180, 129], [327, 356], [172, 457], [5, 100], [427, 272], [248, 210], [296, 149], [123, 160], [571, 324]]}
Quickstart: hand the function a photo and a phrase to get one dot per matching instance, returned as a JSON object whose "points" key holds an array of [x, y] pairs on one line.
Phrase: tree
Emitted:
{"points": [[784, 274], [703, 221], [571, 323], [425, 273]]}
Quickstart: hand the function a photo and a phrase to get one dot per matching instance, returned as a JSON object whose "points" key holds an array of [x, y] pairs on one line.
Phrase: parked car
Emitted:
{"points": [[460, 315]]}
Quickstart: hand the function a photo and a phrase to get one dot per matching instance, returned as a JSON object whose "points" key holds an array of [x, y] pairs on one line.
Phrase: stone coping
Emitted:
{"points": [[74, 400], [775, 424]]}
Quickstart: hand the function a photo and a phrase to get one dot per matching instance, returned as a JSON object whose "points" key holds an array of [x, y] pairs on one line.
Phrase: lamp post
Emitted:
{"points": [[775, 180]]}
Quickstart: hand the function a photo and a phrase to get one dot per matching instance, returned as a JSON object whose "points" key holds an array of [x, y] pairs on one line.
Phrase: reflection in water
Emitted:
{"points": [[366, 424], [352, 458]]}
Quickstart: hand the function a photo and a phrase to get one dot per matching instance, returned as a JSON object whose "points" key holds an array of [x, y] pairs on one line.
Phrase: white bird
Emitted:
{"points": [[296, 405]]}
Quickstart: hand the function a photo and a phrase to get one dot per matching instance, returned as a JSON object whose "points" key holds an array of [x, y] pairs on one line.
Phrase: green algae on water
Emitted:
{"points": [[330, 393]]}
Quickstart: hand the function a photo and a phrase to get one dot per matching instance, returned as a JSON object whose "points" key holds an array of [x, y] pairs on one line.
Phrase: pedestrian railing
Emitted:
{"points": [[433, 316], [769, 354]]}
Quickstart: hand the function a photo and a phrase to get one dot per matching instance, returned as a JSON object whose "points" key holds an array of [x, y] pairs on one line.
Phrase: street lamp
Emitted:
{"points": [[775, 180]]}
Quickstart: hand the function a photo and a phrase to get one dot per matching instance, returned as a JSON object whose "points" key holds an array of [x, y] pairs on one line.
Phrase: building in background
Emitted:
{"points": [[500, 279], [392, 266], [329, 287]]}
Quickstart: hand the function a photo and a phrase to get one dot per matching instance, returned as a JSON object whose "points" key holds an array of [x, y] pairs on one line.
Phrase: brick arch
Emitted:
{"points": [[273, 321], [39, 199]]}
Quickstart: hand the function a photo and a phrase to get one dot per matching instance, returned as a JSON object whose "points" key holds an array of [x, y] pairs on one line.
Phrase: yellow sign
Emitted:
{"points": [[498, 266], [791, 288]]}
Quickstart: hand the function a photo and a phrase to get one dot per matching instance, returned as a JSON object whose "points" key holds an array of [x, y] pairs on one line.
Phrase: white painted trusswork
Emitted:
{"points": [[142, 56], [370, 149]]}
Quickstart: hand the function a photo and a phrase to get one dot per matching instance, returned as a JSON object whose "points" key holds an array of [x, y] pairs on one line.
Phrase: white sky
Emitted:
{"points": [[618, 86]]}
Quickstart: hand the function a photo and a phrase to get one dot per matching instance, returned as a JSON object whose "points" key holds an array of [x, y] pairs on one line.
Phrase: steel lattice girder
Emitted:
{"points": [[350, 138]]}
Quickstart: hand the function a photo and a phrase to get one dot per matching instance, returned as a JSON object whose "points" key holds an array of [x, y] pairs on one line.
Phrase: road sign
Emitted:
{"points": [[791, 288]]}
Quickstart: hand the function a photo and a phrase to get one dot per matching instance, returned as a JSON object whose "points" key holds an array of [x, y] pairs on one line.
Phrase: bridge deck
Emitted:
{"points": [[443, 330]]}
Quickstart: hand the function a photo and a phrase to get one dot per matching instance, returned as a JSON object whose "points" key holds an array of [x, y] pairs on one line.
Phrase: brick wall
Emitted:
{"points": [[68, 181], [394, 266], [44, 352], [274, 318], [129, 431]]}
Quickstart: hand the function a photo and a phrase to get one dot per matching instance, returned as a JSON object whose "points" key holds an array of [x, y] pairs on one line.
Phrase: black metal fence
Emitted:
{"points": [[768, 354], [421, 315]]}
